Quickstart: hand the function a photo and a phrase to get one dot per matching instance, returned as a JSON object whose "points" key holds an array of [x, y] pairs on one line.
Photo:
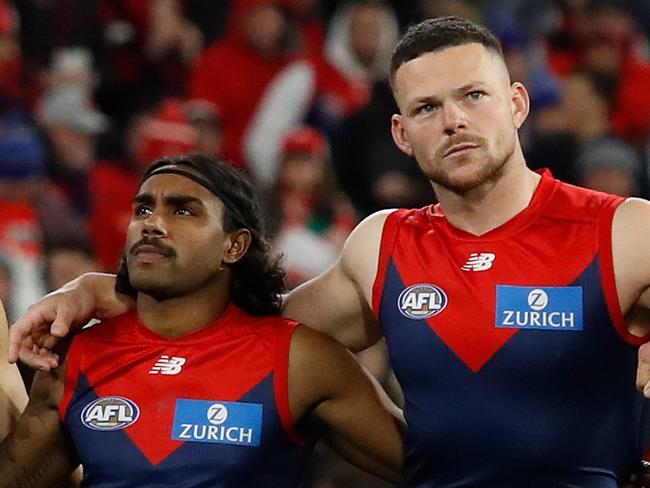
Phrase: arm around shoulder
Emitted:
{"points": [[56, 314], [339, 302]]}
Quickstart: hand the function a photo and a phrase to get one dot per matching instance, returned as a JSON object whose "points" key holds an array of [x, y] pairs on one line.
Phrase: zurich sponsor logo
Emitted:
{"points": [[110, 413], [539, 308], [217, 413], [235, 423], [421, 301]]}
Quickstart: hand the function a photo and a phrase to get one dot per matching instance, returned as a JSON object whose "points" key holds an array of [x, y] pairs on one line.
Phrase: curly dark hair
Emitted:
{"points": [[258, 280], [437, 34]]}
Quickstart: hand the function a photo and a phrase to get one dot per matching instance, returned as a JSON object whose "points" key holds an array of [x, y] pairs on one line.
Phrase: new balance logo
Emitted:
{"points": [[168, 365], [479, 261]]}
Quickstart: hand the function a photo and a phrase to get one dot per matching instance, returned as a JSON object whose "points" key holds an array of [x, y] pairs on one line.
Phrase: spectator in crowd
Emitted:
{"points": [[309, 217], [22, 183], [71, 68], [375, 174], [587, 104], [205, 117], [210, 17], [149, 48], [610, 165], [269, 86], [13, 91], [579, 116], [234, 72], [309, 25], [72, 125], [602, 36], [66, 260], [360, 40]]}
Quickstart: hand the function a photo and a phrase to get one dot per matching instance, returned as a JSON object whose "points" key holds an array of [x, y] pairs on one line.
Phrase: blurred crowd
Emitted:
{"points": [[295, 93]]}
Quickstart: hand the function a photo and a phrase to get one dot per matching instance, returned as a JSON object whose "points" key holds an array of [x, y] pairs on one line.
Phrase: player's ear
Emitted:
{"points": [[399, 135], [520, 103], [237, 244]]}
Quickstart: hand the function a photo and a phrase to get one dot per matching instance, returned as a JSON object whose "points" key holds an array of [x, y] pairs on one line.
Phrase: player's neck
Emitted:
{"points": [[181, 315], [493, 204]]}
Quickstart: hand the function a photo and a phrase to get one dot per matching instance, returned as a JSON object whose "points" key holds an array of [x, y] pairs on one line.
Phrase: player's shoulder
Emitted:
{"points": [[107, 330], [634, 209], [267, 328], [375, 220], [315, 351], [579, 201], [369, 230], [361, 248], [632, 218]]}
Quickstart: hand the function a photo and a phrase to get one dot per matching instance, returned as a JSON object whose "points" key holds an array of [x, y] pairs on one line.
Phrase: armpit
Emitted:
{"points": [[638, 318]]}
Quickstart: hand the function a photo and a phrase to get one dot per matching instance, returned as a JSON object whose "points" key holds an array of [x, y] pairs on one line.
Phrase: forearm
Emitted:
{"points": [[351, 412], [38, 454], [54, 316], [98, 289], [379, 451]]}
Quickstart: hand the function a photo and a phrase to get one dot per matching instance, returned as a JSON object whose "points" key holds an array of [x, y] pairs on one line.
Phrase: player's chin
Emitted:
{"points": [[151, 283], [461, 179]]}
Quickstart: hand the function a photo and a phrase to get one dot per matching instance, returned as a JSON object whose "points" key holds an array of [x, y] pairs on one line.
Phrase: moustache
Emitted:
{"points": [[156, 243], [458, 139]]}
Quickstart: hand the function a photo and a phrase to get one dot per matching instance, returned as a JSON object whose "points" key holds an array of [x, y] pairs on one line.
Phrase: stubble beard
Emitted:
{"points": [[157, 288], [170, 284], [490, 170]]}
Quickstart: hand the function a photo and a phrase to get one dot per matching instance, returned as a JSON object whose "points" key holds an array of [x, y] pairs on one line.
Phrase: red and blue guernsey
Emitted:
{"points": [[511, 349], [207, 409]]}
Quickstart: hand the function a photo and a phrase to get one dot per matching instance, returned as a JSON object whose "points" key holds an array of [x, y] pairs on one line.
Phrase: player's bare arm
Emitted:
{"points": [[332, 397], [630, 245], [36, 332], [13, 396], [38, 454], [339, 301]]}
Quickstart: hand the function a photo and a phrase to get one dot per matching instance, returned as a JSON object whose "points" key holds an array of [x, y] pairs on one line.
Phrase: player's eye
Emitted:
{"points": [[427, 108], [142, 210], [475, 95]]}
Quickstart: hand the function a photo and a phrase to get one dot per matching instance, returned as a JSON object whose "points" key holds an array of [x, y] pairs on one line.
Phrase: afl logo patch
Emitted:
{"points": [[110, 413], [421, 301]]}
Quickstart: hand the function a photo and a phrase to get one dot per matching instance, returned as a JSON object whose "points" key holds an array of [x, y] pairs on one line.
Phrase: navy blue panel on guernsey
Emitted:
{"points": [[112, 460], [549, 409]]}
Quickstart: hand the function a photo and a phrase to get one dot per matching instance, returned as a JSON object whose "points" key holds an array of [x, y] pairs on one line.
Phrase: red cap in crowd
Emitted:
{"points": [[167, 133], [8, 18], [304, 140]]}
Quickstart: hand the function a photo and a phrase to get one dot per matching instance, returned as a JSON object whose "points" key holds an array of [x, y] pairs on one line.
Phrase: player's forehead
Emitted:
{"points": [[176, 186], [450, 68]]}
